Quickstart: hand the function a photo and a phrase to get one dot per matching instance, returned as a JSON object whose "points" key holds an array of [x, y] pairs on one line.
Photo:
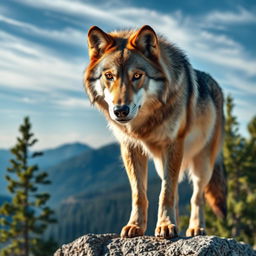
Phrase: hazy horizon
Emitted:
{"points": [[67, 143]]}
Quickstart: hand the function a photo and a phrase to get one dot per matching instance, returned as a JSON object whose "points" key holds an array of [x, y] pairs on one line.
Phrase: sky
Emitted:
{"points": [[43, 54]]}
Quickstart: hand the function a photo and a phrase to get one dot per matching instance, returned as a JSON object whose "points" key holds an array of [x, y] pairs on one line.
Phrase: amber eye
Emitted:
{"points": [[137, 76], [109, 76]]}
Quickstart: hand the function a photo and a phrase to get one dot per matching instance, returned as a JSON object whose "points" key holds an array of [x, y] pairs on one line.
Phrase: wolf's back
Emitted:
{"points": [[208, 87]]}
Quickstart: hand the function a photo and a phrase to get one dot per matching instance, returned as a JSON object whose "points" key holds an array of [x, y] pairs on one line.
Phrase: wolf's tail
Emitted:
{"points": [[216, 191]]}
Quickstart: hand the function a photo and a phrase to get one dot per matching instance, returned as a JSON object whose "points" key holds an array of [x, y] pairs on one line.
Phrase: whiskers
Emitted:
{"points": [[134, 108]]}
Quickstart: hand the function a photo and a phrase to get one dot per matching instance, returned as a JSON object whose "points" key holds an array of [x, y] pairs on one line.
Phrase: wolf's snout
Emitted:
{"points": [[121, 111]]}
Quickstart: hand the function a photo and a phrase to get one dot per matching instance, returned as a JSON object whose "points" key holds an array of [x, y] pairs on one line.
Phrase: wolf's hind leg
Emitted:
{"points": [[136, 167], [201, 172]]}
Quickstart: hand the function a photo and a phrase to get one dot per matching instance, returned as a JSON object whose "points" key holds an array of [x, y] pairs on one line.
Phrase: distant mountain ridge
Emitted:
{"points": [[50, 157], [92, 170], [61, 153]]}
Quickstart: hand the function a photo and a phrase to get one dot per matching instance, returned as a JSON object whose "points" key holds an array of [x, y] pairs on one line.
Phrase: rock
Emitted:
{"points": [[113, 245]]}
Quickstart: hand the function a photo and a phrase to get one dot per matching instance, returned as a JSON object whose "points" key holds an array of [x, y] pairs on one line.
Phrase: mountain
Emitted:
{"points": [[57, 155], [49, 158], [93, 170]]}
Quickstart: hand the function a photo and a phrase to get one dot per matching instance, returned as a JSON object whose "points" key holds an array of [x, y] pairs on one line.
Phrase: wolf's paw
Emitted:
{"points": [[166, 231], [197, 231], [132, 230]]}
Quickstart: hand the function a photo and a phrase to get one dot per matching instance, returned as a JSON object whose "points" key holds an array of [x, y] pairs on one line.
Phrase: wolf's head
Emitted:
{"points": [[126, 73]]}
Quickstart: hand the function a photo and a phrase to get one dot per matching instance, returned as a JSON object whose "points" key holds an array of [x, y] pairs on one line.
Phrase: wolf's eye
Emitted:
{"points": [[137, 76], [109, 76]]}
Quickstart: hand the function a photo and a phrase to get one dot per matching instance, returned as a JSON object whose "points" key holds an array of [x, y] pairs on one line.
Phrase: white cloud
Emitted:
{"points": [[215, 48], [220, 39], [26, 65], [226, 58], [79, 8], [66, 35], [244, 85], [228, 17], [73, 103], [28, 100]]}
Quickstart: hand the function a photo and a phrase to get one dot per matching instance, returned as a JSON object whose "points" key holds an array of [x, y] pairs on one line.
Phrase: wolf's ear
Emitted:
{"points": [[145, 40], [98, 42]]}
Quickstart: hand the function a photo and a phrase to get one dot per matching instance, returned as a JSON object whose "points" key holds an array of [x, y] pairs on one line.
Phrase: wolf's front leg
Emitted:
{"points": [[136, 167], [167, 164]]}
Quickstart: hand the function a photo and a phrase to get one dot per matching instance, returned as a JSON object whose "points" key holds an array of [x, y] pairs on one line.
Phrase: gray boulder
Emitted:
{"points": [[113, 245]]}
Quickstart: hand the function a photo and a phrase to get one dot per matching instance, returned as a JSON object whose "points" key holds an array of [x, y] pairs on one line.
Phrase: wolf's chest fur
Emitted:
{"points": [[164, 133]]}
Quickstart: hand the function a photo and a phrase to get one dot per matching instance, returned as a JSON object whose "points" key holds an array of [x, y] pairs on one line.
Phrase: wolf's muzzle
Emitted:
{"points": [[121, 111]]}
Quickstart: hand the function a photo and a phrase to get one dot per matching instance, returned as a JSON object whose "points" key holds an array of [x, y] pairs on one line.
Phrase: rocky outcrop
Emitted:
{"points": [[113, 245]]}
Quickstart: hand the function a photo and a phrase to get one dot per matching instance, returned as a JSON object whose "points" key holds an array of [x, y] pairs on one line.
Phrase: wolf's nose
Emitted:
{"points": [[121, 110]]}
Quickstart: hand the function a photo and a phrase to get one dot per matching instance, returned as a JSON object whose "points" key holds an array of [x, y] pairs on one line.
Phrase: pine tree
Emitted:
{"points": [[239, 159], [25, 218], [234, 147], [250, 164]]}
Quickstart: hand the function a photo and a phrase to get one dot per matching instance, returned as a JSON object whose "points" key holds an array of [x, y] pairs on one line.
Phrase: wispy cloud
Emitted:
{"points": [[196, 41], [241, 16], [79, 8], [73, 103], [66, 35], [244, 85], [26, 65]]}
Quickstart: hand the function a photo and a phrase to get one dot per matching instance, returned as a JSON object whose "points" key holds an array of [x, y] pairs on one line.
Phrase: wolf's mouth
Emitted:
{"points": [[123, 121]]}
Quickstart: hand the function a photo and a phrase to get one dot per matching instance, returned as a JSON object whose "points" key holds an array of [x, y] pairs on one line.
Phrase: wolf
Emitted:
{"points": [[158, 106]]}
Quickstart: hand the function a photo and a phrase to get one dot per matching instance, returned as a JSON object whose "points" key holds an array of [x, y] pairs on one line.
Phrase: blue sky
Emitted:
{"points": [[43, 53]]}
